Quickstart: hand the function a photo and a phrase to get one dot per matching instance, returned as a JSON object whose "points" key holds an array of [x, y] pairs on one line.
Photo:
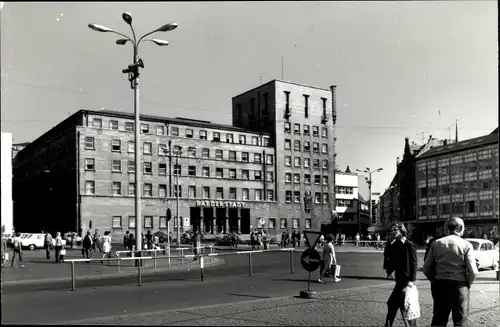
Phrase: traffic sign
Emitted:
{"points": [[310, 260], [312, 238]]}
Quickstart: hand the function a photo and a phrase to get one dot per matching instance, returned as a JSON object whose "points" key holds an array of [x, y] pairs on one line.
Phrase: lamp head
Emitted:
{"points": [[121, 41], [127, 17], [159, 42], [168, 27], [100, 28]]}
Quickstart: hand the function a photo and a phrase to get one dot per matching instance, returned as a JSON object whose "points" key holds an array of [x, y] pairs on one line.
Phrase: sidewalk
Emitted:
{"points": [[358, 306]]}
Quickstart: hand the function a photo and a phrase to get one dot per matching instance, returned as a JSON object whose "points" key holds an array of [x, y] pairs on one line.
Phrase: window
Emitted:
{"points": [[129, 127], [90, 187], [256, 158], [131, 222], [243, 139], [116, 221], [97, 122], [288, 177], [308, 224], [288, 196], [270, 176], [307, 146], [315, 147], [117, 188], [177, 150], [131, 166], [113, 124], [131, 147], [244, 156], [146, 148], [288, 161], [258, 195], [295, 223], [325, 164], [296, 128], [257, 175], [325, 198], [316, 163], [163, 222], [116, 145], [148, 222], [216, 137], [89, 164], [306, 106], [116, 165], [178, 188], [317, 179], [296, 196], [283, 224], [232, 173], [160, 130], [232, 155], [89, 143], [177, 170], [205, 153], [131, 189], [325, 180], [205, 172], [189, 133], [192, 191], [324, 132], [307, 162], [192, 170], [162, 190], [232, 193], [287, 100], [315, 131], [203, 135], [245, 174], [296, 145], [307, 179], [270, 195], [162, 169], [296, 178], [271, 223], [192, 152], [148, 190], [288, 144], [324, 148], [269, 159], [317, 198], [147, 168], [144, 128], [245, 194], [306, 129], [219, 154], [296, 161], [219, 193], [219, 172], [174, 131], [229, 138], [287, 128], [206, 192]]}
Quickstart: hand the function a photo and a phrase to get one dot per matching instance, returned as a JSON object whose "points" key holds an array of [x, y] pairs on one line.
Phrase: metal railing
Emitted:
{"points": [[200, 256]]}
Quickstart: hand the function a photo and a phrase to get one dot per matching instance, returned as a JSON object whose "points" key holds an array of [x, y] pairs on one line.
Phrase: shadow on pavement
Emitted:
{"points": [[247, 295]]}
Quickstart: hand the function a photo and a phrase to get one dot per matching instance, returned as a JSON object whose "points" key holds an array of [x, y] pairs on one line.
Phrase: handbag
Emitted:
{"points": [[63, 251], [411, 304]]}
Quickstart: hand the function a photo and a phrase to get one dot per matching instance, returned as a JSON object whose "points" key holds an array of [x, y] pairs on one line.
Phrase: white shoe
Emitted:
{"points": [[321, 281], [336, 280]]}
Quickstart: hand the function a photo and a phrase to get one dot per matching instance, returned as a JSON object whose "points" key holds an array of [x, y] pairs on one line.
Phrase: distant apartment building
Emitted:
{"points": [[459, 179], [6, 183], [273, 169]]}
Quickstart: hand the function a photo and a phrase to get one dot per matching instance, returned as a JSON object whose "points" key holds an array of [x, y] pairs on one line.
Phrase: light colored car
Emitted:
{"points": [[76, 238], [485, 253], [34, 241]]}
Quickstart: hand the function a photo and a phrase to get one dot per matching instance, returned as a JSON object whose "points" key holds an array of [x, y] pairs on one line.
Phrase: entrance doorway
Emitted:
{"points": [[221, 220], [245, 221], [195, 218], [233, 220], [208, 220]]}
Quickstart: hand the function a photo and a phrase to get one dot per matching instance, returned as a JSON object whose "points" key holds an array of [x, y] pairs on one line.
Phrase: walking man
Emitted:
{"points": [[48, 245], [451, 268]]}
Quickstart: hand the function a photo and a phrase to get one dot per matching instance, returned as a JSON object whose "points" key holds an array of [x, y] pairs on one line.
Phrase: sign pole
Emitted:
{"points": [[310, 261], [309, 283]]}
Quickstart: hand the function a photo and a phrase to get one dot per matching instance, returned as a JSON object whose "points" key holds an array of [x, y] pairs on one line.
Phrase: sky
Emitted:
{"points": [[401, 68]]}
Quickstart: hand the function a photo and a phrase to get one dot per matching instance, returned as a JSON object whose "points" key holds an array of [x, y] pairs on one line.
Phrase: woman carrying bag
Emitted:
{"points": [[329, 260]]}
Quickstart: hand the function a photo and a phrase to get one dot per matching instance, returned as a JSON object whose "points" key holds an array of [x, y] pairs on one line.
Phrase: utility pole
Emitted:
{"points": [[369, 181]]}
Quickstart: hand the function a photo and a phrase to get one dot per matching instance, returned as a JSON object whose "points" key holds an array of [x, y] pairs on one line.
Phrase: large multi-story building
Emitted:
{"points": [[273, 169], [459, 179]]}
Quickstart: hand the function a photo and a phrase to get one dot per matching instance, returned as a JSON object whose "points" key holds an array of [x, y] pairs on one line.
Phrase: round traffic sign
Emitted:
{"points": [[310, 260]]}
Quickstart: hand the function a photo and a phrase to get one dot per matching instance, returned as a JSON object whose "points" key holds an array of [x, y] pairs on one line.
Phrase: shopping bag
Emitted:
{"points": [[6, 256], [336, 270], [411, 304], [63, 251]]}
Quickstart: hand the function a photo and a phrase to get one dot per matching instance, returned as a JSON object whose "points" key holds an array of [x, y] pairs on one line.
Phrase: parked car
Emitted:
{"points": [[34, 241], [485, 253], [162, 237], [229, 239], [76, 238]]}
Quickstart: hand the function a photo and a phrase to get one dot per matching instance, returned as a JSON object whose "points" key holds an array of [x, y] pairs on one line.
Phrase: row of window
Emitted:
{"points": [[174, 131], [315, 130], [457, 188], [471, 156], [147, 191], [297, 161], [459, 208], [307, 146], [453, 170], [307, 179]]}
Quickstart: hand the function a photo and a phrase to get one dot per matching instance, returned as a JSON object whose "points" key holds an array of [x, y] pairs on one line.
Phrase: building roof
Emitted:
{"points": [[281, 81], [460, 146]]}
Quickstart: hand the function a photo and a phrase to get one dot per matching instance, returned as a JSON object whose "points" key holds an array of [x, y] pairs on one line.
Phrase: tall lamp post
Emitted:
{"points": [[177, 194], [369, 181], [133, 73]]}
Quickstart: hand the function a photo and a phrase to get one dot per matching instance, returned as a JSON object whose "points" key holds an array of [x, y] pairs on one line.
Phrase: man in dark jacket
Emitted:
{"points": [[87, 245]]}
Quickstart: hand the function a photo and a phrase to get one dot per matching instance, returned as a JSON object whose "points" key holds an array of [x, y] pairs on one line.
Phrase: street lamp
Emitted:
{"points": [[177, 172], [133, 73], [369, 180]]}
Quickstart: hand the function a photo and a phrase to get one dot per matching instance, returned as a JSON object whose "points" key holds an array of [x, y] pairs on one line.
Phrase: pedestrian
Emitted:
{"points": [[125, 240], [58, 247], [48, 245], [358, 239], [403, 259], [389, 269], [96, 242], [106, 245], [87, 245], [329, 260], [149, 240], [18, 250], [428, 244], [451, 268], [5, 254], [131, 244]]}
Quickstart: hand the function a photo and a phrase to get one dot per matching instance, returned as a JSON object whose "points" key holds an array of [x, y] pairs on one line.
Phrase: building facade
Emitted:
{"points": [[459, 179], [6, 184], [80, 174]]}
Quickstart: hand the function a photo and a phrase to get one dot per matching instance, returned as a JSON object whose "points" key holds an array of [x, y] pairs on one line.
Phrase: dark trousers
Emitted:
{"points": [[96, 245], [19, 255], [396, 303], [47, 252], [58, 252], [450, 296], [86, 252]]}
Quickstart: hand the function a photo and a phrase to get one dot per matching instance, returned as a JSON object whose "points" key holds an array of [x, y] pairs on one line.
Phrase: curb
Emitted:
{"points": [[215, 262]]}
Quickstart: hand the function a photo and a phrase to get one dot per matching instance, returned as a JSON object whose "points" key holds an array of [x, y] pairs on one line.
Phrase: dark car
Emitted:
{"points": [[162, 237]]}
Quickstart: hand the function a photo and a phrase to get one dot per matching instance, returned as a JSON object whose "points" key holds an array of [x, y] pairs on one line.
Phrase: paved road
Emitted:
{"points": [[225, 283]]}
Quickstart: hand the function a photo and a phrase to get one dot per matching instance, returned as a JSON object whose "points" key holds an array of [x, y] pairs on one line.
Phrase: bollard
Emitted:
{"points": [[201, 267], [139, 273], [182, 257], [211, 252], [154, 260], [291, 261], [73, 282], [169, 257], [250, 264]]}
